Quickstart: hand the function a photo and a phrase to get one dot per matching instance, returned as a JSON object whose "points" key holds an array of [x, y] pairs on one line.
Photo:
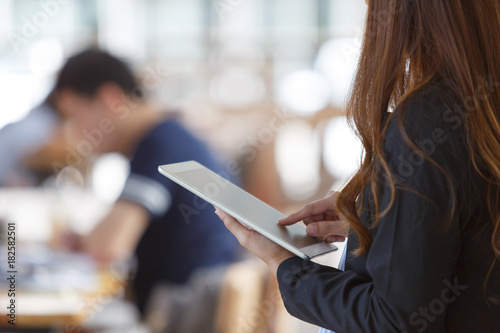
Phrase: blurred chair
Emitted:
{"points": [[250, 302], [242, 294], [186, 308], [224, 300]]}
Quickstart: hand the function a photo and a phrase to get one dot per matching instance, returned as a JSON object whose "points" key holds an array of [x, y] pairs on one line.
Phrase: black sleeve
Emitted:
{"points": [[408, 277]]}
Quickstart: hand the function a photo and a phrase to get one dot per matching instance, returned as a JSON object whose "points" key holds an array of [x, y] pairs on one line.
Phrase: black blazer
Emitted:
{"points": [[424, 271]]}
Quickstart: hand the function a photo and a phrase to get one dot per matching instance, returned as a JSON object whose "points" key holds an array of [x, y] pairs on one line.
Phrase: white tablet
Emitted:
{"points": [[244, 207]]}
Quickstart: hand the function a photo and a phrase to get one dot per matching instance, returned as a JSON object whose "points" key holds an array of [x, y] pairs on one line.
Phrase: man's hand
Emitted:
{"points": [[116, 237]]}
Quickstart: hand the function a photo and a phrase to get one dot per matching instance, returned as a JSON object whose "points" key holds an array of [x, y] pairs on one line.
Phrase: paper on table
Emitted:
{"points": [[46, 304]]}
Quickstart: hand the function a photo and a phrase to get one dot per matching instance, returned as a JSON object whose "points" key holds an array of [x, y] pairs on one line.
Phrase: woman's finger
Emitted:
{"points": [[271, 253], [333, 239], [313, 208], [315, 218], [241, 232], [325, 229]]}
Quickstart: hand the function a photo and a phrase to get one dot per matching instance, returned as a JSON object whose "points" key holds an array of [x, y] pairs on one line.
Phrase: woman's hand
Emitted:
{"points": [[320, 216], [322, 219], [269, 252]]}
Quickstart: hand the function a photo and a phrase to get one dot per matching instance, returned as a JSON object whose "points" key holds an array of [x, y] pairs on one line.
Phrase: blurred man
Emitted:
{"points": [[24, 138], [173, 232]]}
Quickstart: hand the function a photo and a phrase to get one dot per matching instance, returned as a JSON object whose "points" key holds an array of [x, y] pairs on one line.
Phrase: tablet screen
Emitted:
{"points": [[243, 206]]}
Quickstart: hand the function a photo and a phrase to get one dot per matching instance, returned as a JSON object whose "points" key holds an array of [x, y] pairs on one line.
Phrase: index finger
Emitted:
{"points": [[313, 208]]}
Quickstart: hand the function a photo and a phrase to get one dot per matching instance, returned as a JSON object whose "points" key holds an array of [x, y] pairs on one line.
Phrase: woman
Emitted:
{"points": [[423, 209]]}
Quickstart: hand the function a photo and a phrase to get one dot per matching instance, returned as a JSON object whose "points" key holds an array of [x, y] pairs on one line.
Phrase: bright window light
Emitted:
{"points": [[46, 56], [237, 87], [109, 173], [297, 160], [341, 150], [337, 60], [304, 92], [17, 100]]}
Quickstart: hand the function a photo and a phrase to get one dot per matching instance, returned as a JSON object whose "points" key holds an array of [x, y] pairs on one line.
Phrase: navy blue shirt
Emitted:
{"points": [[424, 272], [184, 234]]}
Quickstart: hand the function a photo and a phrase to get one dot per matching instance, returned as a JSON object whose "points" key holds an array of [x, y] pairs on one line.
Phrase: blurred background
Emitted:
{"points": [[263, 83]]}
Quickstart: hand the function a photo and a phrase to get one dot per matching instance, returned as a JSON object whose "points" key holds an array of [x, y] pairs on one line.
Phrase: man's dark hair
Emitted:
{"points": [[86, 71]]}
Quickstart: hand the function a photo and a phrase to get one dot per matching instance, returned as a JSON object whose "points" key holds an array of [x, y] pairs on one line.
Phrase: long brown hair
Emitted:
{"points": [[406, 45]]}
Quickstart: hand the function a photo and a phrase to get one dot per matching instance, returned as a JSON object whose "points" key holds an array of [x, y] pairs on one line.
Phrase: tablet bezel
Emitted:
{"points": [[308, 252]]}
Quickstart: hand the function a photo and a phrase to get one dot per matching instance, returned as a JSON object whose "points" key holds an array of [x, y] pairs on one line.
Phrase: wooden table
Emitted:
{"points": [[65, 311]]}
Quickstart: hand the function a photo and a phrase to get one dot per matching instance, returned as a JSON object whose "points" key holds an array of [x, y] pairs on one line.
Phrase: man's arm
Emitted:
{"points": [[117, 235]]}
